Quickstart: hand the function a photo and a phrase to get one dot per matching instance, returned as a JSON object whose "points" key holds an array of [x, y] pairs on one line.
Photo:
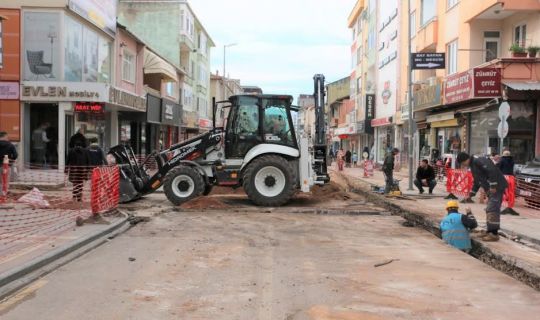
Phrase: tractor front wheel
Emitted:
{"points": [[183, 184], [269, 181]]}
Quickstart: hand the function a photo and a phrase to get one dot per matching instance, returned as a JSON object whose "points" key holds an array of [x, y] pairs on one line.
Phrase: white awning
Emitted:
{"points": [[154, 64], [522, 85]]}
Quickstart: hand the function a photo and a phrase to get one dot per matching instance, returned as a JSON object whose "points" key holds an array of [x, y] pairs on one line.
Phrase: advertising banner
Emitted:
{"points": [[458, 87], [102, 13]]}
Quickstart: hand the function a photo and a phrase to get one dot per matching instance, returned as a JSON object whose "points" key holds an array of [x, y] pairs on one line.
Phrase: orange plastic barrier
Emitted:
{"points": [[459, 182], [509, 197], [105, 189], [368, 168]]}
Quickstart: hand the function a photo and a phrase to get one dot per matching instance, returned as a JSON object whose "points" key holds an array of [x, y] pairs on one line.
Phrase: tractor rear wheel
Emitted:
{"points": [[269, 181], [183, 184]]}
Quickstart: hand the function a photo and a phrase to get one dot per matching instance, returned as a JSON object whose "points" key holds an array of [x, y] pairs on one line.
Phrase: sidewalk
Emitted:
{"points": [[517, 254], [525, 226], [31, 238]]}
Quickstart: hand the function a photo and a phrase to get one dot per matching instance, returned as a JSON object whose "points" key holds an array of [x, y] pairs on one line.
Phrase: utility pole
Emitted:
{"points": [[225, 56], [409, 96]]}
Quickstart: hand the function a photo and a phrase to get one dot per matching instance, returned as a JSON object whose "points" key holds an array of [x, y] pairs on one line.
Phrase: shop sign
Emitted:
{"points": [[126, 99], [487, 82], [102, 13], [458, 87], [85, 107], [427, 97], [370, 107], [205, 123], [64, 91], [153, 110], [170, 113], [9, 90], [381, 122]]}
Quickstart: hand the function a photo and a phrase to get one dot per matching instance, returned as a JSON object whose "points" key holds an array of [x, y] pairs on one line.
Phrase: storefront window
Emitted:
{"points": [[41, 46], [91, 125], [385, 141], [449, 140], [87, 54], [520, 139]]}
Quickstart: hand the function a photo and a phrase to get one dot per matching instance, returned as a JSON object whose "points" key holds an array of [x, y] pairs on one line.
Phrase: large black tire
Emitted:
{"points": [[261, 192], [182, 184]]}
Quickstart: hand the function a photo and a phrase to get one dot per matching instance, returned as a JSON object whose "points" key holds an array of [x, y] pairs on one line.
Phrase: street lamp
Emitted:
{"points": [[225, 55]]}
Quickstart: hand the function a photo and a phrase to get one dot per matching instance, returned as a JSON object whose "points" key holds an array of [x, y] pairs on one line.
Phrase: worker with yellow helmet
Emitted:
{"points": [[455, 227]]}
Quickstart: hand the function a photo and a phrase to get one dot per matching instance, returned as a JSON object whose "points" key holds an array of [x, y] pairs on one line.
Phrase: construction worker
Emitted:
{"points": [[388, 169], [490, 178], [455, 227]]}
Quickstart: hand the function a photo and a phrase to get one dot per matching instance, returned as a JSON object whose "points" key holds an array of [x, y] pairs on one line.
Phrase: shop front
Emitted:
{"points": [[384, 137], [54, 111], [128, 119], [171, 121], [348, 137], [9, 110], [425, 101], [190, 125]]}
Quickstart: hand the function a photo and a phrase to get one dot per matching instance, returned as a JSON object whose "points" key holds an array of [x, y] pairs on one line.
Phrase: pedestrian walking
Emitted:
{"points": [[355, 159], [456, 227], [388, 169], [78, 139], [506, 164], [95, 153], [77, 164], [6, 149], [39, 144], [491, 179], [340, 159], [425, 177], [348, 158]]}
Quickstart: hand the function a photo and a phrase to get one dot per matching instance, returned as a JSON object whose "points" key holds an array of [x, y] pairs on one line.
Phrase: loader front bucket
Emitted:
{"points": [[131, 176]]}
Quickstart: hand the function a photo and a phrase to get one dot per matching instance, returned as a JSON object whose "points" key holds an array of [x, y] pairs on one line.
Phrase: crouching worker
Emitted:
{"points": [[455, 227]]}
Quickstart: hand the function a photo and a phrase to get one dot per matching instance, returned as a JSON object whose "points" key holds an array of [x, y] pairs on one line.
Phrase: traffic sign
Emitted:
{"points": [[428, 60], [502, 130], [504, 111]]}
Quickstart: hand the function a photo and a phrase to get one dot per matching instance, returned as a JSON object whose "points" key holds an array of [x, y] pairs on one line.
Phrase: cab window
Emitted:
{"points": [[277, 127]]}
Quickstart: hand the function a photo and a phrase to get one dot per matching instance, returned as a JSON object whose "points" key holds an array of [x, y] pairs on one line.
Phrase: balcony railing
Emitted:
{"points": [[427, 36]]}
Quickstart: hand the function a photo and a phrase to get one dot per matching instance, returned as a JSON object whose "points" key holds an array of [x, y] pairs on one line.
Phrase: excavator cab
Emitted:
{"points": [[255, 120]]}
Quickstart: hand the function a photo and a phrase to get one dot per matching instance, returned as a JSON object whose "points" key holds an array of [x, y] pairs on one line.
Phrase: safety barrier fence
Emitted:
{"points": [[528, 188], [459, 183], [41, 203]]}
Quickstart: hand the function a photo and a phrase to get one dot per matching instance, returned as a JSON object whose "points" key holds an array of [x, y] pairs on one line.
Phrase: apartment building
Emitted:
{"points": [[340, 107], [175, 32], [457, 108], [306, 117]]}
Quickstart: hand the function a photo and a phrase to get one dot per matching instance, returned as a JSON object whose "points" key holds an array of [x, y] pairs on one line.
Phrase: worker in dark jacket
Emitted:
{"points": [[425, 177], [77, 165], [455, 227], [78, 139], [7, 148], [506, 164], [96, 154], [388, 169], [490, 178]]}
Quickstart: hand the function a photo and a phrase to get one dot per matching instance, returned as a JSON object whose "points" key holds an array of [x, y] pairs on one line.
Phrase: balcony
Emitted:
{"points": [[186, 44], [495, 9], [427, 36]]}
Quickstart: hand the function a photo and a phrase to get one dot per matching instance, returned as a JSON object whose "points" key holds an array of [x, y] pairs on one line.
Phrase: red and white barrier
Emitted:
{"points": [[459, 182], [368, 168], [105, 189]]}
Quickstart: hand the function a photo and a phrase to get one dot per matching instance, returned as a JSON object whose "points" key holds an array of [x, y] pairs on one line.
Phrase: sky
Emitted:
{"points": [[281, 44]]}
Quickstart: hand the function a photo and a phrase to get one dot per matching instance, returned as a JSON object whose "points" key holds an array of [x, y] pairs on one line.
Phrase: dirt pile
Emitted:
{"points": [[330, 191], [204, 203], [226, 190]]}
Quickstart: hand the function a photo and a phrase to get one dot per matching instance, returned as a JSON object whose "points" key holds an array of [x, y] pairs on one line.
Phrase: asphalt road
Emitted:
{"points": [[233, 265]]}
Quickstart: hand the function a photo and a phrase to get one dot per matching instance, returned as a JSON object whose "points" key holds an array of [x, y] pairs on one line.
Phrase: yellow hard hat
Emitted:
{"points": [[452, 204]]}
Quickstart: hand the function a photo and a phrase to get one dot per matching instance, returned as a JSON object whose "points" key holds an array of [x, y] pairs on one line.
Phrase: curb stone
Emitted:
{"points": [[15, 279]]}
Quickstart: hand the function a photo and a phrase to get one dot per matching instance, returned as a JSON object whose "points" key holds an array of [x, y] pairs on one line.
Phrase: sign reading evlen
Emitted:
{"points": [[64, 91]]}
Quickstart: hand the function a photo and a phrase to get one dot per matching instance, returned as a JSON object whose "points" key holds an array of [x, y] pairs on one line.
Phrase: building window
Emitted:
{"points": [[452, 51], [451, 3], [128, 66], [491, 45], [520, 34], [359, 55], [428, 10], [358, 85], [413, 24], [1, 47], [169, 88]]}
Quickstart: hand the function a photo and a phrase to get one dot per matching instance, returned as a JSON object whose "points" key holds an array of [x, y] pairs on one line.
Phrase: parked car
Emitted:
{"points": [[528, 182]]}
